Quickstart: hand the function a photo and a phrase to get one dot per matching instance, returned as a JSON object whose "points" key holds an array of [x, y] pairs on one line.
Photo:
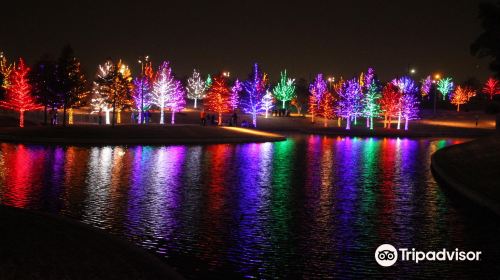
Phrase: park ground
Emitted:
{"points": [[187, 129]]}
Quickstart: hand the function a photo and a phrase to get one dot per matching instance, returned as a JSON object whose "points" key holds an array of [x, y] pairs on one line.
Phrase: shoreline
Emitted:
{"points": [[63, 248], [394, 133], [135, 135], [191, 134], [468, 169]]}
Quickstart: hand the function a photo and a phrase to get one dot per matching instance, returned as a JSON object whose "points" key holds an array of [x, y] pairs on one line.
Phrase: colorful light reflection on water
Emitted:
{"points": [[308, 207]]}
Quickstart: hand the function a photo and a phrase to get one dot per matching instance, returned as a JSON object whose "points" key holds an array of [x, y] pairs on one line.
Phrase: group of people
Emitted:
{"points": [[146, 118], [278, 112], [53, 116], [212, 119]]}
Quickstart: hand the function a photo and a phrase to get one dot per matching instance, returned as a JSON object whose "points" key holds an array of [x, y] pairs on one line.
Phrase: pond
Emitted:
{"points": [[308, 207]]}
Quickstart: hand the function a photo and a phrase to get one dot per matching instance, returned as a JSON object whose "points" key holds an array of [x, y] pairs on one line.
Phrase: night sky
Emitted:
{"points": [[305, 37]]}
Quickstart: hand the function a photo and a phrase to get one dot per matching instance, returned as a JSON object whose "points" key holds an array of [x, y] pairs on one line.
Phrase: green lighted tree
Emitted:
{"points": [[285, 89], [445, 86]]}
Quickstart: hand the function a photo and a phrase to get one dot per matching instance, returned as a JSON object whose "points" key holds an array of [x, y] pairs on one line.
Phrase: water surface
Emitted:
{"points": [[308, 207]]}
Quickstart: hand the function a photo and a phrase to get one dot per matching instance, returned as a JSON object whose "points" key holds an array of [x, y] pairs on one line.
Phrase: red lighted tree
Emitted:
{"points": [[491, 87], [326, 108], [218, 98], [390, 103], [461, 95], [18, 97]]}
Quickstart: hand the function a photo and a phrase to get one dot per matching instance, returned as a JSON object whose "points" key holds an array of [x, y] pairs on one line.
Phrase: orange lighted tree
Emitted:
{"points": [[218, 98], [461, 95], [390, 103], [326, 108], [491, 87], [19, 96]]}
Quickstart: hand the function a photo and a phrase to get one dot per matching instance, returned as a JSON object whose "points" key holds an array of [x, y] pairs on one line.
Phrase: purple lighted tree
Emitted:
{"points": [[254, 89], [369, 78], [235, 95], [142, 96], [349, 105], [409, 107], [317, 89], [408, 88]]}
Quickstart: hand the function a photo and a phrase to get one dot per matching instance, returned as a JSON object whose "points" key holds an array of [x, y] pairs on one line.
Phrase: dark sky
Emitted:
{"points": [[305, 37]]}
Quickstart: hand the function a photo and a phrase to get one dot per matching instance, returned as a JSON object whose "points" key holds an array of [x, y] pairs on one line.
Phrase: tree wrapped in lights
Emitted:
{"points": [[208, 81], [18, 97], [425, 87], [317, 89], [196, 88], [254, 88], [112, 89], [326, 108], [361, 80], [143, 85], [491, 87], [390, 103], [43, 81], [461, 95], [371, 108], [349, 105], [142, 96], [409, 107], [337, 88], [267, 103], [235, 94], [71, 82], [167, 92], [103, 88], [445, 87], [406, 86], [5, 71], [285, 90], [369, 77], [218, 98], [295, 103]]}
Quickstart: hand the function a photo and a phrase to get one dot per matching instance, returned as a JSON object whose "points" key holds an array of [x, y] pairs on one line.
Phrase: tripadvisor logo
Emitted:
{"points": [[387, 255]]}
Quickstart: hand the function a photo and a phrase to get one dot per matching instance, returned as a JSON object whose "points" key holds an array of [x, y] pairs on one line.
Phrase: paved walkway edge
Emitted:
{"points": [[441, 175]]}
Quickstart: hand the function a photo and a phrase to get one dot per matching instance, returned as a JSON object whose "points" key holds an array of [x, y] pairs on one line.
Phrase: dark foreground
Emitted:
{"points": [[42, 246]]}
